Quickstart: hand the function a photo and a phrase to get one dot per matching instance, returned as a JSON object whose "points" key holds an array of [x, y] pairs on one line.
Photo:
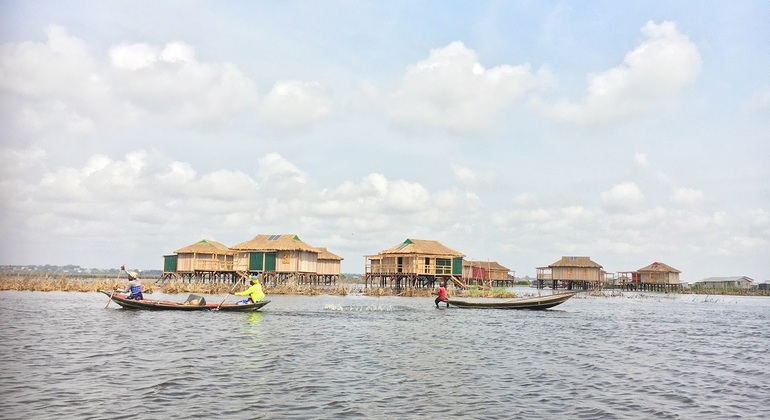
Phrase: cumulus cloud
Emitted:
{"points": [[451, 90], [624, 198], [52, 85], [650, 77], [641, 159], [687, 196], [169, 82], [60, 86], [293, 104], [472, 178]]}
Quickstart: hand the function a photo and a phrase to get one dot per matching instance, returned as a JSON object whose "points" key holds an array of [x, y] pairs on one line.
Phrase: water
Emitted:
{"points": [[63, 355]]}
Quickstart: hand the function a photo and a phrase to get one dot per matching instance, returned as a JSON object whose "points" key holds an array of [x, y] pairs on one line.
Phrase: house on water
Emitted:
{"points": [[654, 277], [280, 259], [570, 272], [203, 261], [329, 267], [487, 274], [414, 263]]}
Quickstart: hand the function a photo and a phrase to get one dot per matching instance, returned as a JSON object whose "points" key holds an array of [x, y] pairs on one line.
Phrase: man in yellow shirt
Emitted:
{"points": [[254, 292]]}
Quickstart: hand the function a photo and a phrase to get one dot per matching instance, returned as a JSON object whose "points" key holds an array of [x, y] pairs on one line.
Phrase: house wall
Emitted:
{"points": [[411, 264], [296, 261], [189, 262], [329, 267], [241, 261], [576, 273]]}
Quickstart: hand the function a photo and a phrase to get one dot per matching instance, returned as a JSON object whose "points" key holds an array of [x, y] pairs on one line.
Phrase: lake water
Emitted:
{"points": [[63, 355]]}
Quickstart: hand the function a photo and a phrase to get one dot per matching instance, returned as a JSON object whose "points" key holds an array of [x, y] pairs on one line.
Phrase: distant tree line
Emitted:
{"points": [[67, 269]]}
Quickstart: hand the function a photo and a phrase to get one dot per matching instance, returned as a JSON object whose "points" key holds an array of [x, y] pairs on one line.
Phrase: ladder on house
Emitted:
{"points": [[459, 282]]}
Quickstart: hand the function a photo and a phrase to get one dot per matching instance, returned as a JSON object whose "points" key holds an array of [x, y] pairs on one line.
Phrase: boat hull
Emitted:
{"points": [[536, 303], [163, 305]]}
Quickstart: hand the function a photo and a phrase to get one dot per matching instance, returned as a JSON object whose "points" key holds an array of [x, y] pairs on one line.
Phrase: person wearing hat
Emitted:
{"points": [[134, 288], [254, 292]]}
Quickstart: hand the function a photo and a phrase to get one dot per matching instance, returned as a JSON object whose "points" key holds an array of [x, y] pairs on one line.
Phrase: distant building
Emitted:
{"points": [[571, 271], [487, 273], [735, 282], [329, 266]]}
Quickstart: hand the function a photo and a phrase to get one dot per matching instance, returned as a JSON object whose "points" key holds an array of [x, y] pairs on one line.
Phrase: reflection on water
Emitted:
{"points": [[329, 356]]}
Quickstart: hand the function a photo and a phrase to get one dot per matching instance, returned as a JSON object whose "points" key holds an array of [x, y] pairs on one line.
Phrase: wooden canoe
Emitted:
{"points": [[533, 303], [165, 305]]}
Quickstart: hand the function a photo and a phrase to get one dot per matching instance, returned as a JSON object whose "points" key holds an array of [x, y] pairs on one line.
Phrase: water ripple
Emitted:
{"points": [[390, 357]]}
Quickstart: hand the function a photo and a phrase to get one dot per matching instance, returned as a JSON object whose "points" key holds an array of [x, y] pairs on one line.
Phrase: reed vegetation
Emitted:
{"points": [[62, 282]]}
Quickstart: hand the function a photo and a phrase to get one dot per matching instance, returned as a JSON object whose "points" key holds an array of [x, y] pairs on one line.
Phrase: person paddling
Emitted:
{"points": [[254, 292], [134, 288], [442, 295]]}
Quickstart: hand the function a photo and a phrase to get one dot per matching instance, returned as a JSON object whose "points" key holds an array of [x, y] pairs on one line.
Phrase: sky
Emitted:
{"points": [[511, 131]]}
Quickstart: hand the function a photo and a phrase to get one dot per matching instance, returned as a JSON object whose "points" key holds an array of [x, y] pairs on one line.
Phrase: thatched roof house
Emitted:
{"points": [[658, 273], [417, 257], [485, 270], [329, 263], [572, 268], [275, 253], [204, 255]]}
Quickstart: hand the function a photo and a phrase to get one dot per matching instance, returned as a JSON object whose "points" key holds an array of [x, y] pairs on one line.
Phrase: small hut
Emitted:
{"points": [[279, 258], [571, 271], [487, 274], [414, 263], [205, 260], [657, 276], [329, 266]]}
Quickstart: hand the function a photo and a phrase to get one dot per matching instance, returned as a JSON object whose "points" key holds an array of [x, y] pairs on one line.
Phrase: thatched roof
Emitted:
{"points": [[579, 262], [289, 242], [487, 265], [422, 247], [205, 246], [325, 254], [658, 267]]}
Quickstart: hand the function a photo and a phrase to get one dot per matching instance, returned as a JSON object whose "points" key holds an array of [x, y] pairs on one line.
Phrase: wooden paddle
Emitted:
{"points": [[230, 292], [122, 268]]}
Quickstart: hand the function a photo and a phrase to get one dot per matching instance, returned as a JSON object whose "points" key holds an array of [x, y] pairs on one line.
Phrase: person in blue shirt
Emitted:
{"points": [[134, 288]]}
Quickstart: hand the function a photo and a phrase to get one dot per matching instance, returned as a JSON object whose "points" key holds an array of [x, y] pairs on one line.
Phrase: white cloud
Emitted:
{"points": [[624, 198], [687, 196], [451, 90], [276, 172], [294, 104], [472, 178], [169, 82], [651, 77], [641, 159], [60, 86]]}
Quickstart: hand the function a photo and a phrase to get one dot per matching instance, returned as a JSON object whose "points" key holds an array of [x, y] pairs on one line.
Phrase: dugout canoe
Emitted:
{"points": [[534, 303], [193, 303]]}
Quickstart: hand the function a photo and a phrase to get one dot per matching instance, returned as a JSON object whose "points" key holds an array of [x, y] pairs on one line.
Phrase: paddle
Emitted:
{"points": [[230, 292], [122, 268]]}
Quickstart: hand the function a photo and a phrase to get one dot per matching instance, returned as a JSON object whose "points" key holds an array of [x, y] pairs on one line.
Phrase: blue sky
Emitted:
{"points": [[511, 131]]}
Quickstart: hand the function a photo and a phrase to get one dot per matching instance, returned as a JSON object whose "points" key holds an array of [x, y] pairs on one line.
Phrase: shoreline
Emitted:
{"points": [[69, 283]]}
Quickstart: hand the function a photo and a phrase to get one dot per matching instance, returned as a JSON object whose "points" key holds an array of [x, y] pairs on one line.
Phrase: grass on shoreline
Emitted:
{"points": [[53, 282]]}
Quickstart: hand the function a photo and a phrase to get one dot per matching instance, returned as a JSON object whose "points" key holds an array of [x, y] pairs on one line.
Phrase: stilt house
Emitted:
{"points": [[203, 260], [280, 258], [570, 272], [329, 266], [659, 273], [414, 263], [486, 273]]}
